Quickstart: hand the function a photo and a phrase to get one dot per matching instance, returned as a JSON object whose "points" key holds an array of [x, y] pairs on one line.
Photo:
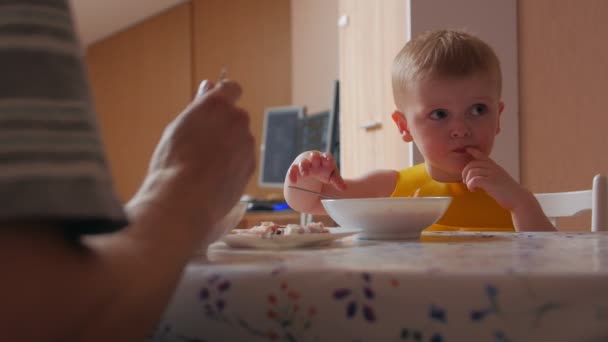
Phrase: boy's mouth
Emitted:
{"points": [[461, 149]]}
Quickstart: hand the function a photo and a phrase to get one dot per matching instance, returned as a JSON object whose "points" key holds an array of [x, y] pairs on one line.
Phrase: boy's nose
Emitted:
{"points": [[460, 132]]}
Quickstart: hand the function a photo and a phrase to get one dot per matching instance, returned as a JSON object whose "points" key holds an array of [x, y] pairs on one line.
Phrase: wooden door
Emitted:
{"points": [[371, 34]]}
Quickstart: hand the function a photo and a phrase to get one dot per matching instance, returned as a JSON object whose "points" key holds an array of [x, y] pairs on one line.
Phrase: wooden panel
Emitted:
{"points": [[253, 40], [141, 80], [563, 72], [315, 52], [375, 32]]}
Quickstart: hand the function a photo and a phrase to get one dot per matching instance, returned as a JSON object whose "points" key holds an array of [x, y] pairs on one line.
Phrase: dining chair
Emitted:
{"points": [[570, 203]]}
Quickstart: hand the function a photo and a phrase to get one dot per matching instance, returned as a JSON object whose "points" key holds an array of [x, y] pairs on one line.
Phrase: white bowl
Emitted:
{"points": [[387, 217]]}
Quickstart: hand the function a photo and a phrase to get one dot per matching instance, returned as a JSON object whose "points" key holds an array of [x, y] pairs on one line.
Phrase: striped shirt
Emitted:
{"points": [[52, 164]]}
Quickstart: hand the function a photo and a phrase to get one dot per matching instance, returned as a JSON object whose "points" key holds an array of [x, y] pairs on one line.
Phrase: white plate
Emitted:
{"points": [[286, 241]]}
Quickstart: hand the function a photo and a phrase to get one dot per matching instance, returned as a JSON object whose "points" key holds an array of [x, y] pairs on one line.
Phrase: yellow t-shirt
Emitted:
{"points": [[468, 211]]}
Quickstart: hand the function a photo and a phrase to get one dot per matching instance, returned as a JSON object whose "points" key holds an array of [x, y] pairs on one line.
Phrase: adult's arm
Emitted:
{"points": [[114, 287]]}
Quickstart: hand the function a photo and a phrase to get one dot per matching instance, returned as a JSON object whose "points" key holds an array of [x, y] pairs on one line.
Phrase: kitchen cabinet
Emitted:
{"points": [[145, 75], [370, 35], [252, 40], [141, 79]]}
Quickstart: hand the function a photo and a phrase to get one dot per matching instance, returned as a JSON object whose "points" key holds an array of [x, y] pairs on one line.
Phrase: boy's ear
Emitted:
{"points": [[501, 108], [401, 122]]}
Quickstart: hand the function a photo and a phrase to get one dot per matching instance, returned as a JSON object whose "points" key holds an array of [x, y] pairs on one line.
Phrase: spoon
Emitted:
{"points": [[313, 192], [204, 86]]}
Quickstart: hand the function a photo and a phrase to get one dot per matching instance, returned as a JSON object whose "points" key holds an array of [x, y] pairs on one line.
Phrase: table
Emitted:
{"points": [[444, 287]]}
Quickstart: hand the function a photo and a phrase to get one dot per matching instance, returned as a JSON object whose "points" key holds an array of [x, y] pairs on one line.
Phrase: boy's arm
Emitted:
{"points": [[529, 216], [483, 173], [317, 172]]}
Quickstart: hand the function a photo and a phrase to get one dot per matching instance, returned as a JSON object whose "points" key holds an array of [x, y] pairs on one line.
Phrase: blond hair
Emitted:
{"points": [[443, 54]]}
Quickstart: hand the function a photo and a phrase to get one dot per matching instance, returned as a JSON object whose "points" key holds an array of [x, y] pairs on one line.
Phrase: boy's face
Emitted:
{"points": [[446, 116]]}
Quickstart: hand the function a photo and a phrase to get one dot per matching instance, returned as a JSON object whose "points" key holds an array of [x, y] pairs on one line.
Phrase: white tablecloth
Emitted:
{"points": [[444, 287]]}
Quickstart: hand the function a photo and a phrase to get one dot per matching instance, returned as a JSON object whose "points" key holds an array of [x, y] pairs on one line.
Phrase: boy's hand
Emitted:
{"points": [[483, 173], [319, 166]]}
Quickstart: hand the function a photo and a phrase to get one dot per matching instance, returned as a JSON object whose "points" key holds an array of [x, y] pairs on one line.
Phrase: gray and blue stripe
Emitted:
{"points": [[52, 164]]}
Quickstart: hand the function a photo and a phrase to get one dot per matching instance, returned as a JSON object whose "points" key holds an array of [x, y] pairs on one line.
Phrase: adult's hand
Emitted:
{"points": [[203, 161], [198, 171], [120, 283]]}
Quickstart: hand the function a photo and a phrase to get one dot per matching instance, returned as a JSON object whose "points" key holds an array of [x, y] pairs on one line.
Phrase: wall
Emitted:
{"points": [[92, 16], [314, 44], [141, 79], [144, 76], [563, 72], [252, 39]]}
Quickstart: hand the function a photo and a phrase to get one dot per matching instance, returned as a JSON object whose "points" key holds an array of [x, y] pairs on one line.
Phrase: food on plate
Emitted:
{"points": [[269, 229]]}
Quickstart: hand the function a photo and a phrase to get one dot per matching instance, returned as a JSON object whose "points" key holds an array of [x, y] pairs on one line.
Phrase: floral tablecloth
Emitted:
{"points": [[443, 287]]}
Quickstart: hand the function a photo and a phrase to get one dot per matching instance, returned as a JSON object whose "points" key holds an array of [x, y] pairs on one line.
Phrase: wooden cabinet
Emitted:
{"points": [[144, 76], [141, 79], [370, 35], [252, 39]]}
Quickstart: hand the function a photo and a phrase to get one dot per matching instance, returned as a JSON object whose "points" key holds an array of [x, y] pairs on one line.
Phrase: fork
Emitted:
{"points": [[313, 192]]}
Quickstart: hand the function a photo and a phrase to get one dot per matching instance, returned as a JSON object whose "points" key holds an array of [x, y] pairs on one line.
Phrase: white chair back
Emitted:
{"points": [[570, 203]]}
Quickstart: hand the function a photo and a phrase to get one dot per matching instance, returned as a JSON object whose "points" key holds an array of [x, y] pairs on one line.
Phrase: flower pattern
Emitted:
{"points": [[464, 286], [290, 315], [212, 296], [358, 303]]}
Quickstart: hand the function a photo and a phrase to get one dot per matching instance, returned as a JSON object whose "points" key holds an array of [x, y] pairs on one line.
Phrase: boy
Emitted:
{"points": [[447, 88]]}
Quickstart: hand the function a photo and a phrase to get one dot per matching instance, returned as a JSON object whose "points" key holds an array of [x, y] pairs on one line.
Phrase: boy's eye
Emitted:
{"points": [[438, 114], [479, 109]]}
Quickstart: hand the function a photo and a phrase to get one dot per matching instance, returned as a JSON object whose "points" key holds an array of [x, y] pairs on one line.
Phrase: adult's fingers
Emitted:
{"points": [[230, 90], [204, 87]]}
